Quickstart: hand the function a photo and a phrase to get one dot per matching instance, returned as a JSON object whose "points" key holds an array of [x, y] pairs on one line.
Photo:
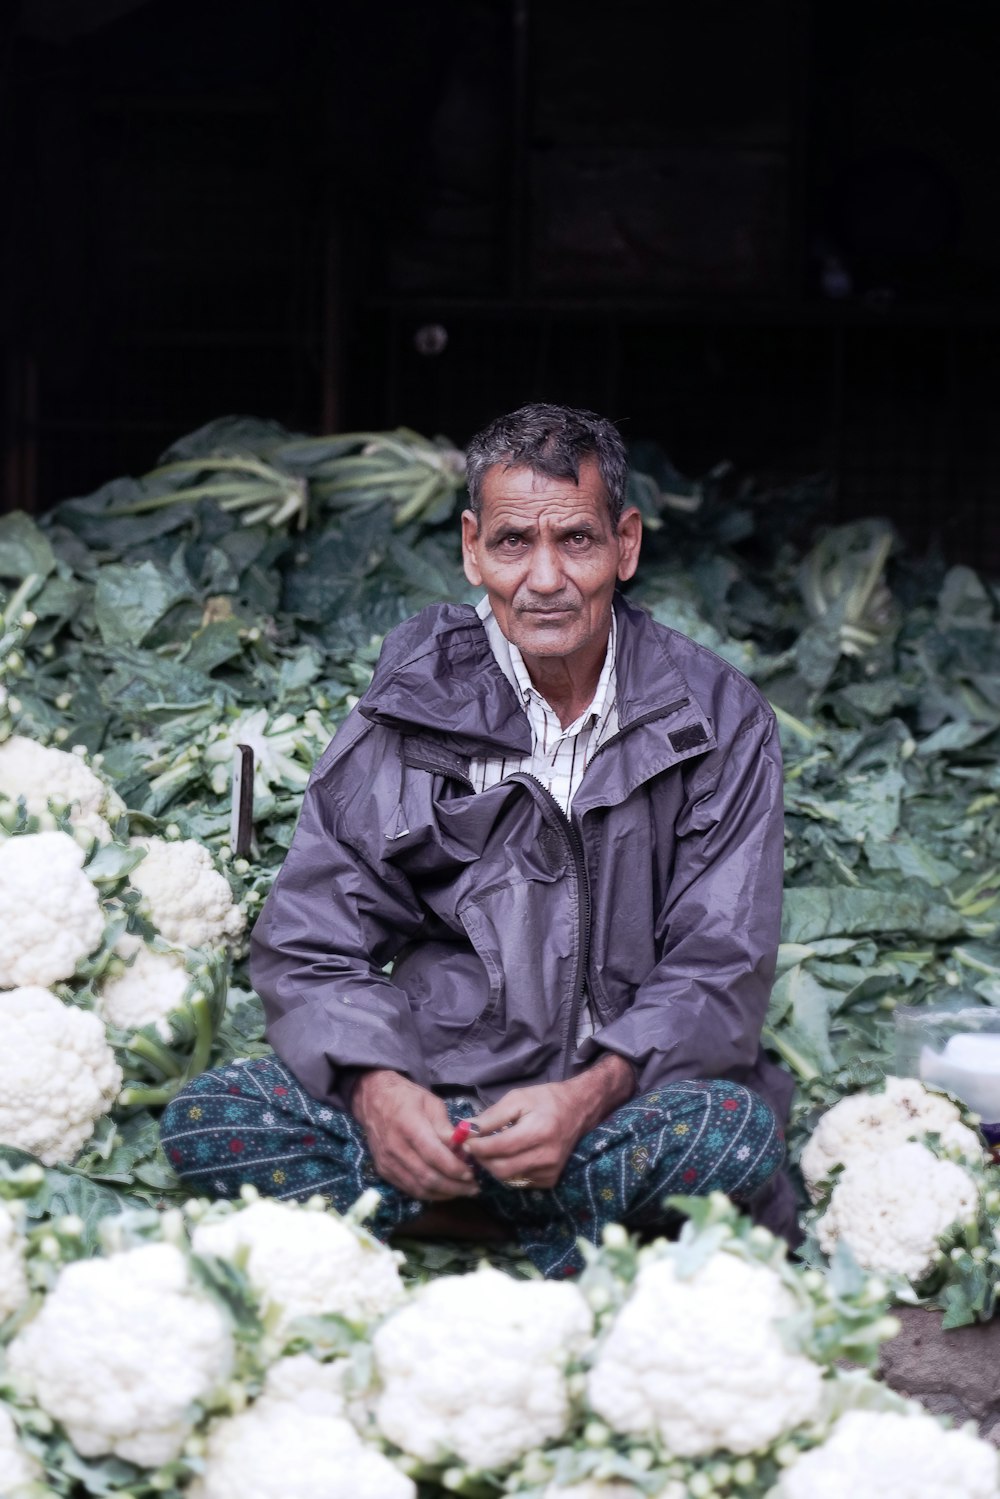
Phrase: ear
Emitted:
{"points": [[470, 558], [629, 533]]}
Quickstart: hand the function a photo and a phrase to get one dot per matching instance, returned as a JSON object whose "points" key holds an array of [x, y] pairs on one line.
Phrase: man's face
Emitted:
{"points": [[548, 556]]}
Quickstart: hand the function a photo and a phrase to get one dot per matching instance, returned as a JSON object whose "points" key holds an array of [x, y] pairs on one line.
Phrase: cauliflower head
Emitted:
{"points": [[58, 1074], [48, 778], [306, 1263], [18, 1468], [184, 895], [699, 1362], [892, 1208], [294, 1443], [13, 1279], [886, 1455], [50, 914], [152, 987], [474, 1365], [120, 1350], [866, 1122]]}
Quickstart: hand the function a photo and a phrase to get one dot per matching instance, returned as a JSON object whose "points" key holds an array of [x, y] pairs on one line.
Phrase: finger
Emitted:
{"points": [[519, 1169], [430, 1189], [411, 1173], [447, 1162], [439, 1122], [430, 1186], [528, 1162], [512, 1165], [508, 1110], [422, 1151], [539, 1159], [459, 1135], [489, 1148]]}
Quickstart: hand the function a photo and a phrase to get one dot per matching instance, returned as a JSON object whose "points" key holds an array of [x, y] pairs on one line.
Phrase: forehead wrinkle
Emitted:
{"points": [[504, 515]]}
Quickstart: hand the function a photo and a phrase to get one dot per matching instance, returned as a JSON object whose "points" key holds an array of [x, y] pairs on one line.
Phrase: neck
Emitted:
{"points": [[568, 683]]}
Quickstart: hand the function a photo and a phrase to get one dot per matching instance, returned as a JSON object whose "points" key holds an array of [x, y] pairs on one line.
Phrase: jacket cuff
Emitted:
{"points": [[346, 1079]]}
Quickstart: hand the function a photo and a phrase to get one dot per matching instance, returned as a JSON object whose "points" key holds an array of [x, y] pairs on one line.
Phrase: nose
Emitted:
{"points": [[545, 575]]}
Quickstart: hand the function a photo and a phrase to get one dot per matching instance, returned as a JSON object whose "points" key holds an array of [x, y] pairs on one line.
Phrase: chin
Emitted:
{"points": [[548, 640]]}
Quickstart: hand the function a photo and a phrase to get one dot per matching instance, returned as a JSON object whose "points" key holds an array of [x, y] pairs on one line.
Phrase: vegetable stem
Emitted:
{"points": [[804, 1070], [154, 1052]]}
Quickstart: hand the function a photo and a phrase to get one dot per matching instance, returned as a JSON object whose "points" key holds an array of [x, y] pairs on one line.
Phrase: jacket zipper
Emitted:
{"points": [[638, 723], [575, 845]]}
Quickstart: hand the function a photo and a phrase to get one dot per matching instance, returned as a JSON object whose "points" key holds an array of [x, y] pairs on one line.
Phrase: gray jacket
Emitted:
{"points": [[662, 895]]}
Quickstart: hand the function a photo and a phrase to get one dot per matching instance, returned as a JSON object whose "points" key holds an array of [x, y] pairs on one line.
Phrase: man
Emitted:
{"points": [[534, 891]]}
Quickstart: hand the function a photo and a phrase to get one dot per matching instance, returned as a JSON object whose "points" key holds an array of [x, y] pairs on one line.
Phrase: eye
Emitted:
{"points": [[579, 538]]}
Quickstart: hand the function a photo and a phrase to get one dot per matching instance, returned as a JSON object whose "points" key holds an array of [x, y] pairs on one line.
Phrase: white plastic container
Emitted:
{"points": [[958, 1050]]}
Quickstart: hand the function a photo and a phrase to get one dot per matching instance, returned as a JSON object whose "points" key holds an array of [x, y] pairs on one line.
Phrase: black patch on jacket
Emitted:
{"points": [[552, 846], [426, 753], [685, 739]]}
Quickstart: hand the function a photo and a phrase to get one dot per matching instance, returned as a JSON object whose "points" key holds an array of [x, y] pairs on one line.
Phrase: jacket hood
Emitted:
{"points": [[438, 673]]}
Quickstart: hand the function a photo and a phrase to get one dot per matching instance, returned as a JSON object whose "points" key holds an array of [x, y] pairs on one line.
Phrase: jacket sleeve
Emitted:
{"points": [[328, 928], [700, 1012]]}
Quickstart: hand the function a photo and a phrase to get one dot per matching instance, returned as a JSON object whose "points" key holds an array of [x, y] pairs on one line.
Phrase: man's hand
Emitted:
{"points": [[408, 1130], [530, 1133]]}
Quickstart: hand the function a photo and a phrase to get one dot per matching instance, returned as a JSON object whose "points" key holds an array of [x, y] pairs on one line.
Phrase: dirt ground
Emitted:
{"points": [[955, 1373]]}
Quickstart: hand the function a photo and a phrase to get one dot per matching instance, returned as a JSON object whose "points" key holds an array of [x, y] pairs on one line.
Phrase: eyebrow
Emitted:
{"points": [[500, 531]]}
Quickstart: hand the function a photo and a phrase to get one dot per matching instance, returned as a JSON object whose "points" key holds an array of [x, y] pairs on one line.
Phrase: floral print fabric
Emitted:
{"points": [[252, 1122]]}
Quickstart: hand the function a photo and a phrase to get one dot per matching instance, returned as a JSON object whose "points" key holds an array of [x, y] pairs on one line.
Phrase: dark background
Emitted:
{"points": [[767, 232]]}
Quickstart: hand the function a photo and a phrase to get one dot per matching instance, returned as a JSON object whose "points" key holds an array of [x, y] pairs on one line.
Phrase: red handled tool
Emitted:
{"points": [[466, 1127]]}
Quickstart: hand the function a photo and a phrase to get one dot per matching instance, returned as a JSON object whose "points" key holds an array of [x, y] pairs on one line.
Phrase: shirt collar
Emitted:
{"points": [[511, 663]]}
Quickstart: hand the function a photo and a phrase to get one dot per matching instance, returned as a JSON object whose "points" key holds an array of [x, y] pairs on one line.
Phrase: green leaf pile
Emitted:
{"points": [[169, 620], [239, 593]]}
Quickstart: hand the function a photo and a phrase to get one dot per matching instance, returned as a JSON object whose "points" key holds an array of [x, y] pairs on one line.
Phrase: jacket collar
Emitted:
{"points": [[437, 675]]}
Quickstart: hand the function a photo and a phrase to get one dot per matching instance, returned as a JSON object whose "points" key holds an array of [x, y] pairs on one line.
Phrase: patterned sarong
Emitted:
{"points": [[252, 1122]]}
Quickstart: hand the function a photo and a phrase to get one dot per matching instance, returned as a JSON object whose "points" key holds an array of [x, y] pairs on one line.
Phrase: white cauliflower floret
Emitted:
{"points": [[700, 1363], [867, 1122], [120, 1350], [303, 1381], [596, 1488], [13, 1279], [17, 1468], [892, 1208], [58, 1074], [474, 1366], [50, 915], [886, 1455], [184, 895], [306, 1263], [294, 1443], [50, 778], [152, 987]]}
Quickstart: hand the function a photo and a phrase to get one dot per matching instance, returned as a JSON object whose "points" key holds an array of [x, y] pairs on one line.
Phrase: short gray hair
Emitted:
{"points": [[549, 440]]}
